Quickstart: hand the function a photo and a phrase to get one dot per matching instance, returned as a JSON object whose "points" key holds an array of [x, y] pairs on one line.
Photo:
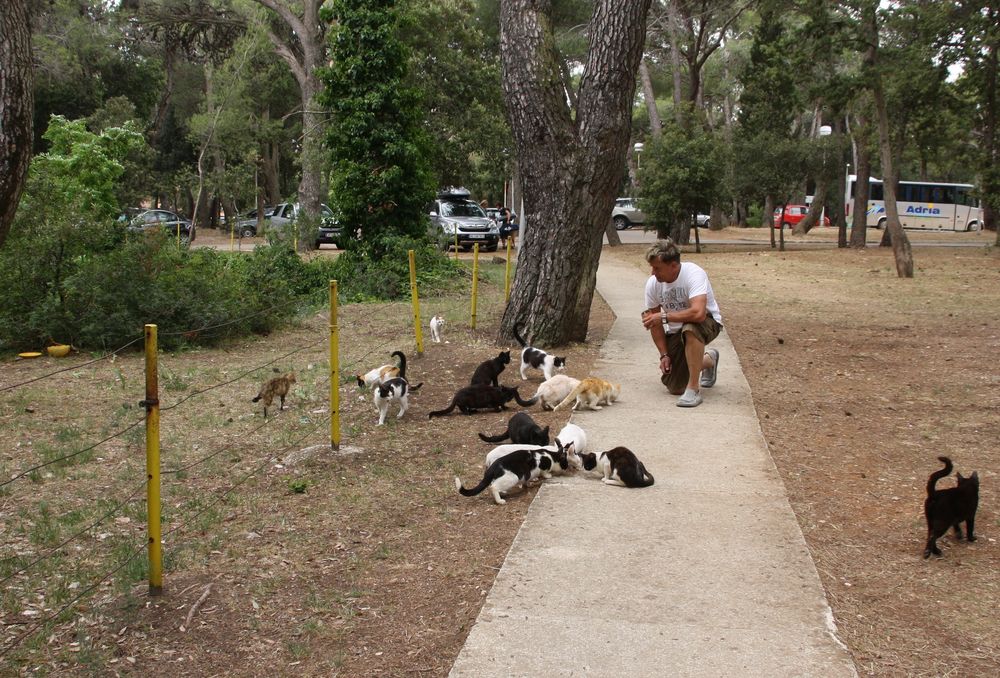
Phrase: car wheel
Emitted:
{"points": [[621, 223], [786, 225], [247, 233]]}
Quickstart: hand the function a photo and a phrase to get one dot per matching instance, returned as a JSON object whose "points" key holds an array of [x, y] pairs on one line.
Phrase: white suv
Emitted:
{"points": [[627, 214]]}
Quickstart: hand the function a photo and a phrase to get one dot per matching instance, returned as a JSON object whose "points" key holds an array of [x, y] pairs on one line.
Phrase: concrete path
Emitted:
{"points": [[705, 573]]}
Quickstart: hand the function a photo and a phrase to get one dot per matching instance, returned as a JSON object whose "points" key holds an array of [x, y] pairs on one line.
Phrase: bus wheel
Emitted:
{"points": [[972, 227], [880, 225]]}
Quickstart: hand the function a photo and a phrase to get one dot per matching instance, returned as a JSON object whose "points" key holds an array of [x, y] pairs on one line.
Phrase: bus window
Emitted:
{"points": [[875, 191]]}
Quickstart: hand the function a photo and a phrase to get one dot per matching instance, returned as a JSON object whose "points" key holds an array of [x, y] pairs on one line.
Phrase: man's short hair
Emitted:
{"points": [[665, 250]]}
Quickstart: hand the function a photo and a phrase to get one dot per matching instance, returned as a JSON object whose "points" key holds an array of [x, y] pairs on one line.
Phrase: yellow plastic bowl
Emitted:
{"points": [[29, 354], [59, 350]]}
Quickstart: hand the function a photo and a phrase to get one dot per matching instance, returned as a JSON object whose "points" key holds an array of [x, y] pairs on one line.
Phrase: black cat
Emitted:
{"points": [[481, 397], [621, 467], [950, 507], [489, 371], [522, 430]]}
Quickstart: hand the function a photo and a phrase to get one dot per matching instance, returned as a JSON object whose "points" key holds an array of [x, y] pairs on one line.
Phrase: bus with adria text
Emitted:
{"points": [[928, 205]]}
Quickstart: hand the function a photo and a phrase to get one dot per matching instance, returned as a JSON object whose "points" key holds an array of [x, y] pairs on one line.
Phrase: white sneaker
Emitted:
{"points": [[691, 398]]}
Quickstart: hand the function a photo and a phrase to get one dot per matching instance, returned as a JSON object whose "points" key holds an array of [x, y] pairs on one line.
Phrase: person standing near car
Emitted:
{"points": [[682, 317], [504, 224]]}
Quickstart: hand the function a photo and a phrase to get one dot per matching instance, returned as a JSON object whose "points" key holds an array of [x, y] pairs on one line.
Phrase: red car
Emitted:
{"points": [[793, 215]]}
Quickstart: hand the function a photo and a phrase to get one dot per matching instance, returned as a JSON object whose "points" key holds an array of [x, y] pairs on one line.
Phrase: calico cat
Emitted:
{"points": [[504, 474], [397, 389], [537, 358], [278, 386], [521, 429], [379, 374], [553, 391], [489, 370], [437, 322], [591, 393], [481, 397], [950, 507], [559, 455], [623, 463]]}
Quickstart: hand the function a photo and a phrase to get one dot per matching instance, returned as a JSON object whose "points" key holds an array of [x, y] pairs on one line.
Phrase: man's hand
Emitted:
{"points": [[665, 364], [651, 318]]}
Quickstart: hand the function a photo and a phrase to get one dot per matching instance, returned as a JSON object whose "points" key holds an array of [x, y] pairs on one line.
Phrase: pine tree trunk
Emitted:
{"points": [[570, 166], [16, 108]]}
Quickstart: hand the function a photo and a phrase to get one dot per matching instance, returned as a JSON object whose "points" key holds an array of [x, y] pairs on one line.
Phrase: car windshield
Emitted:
{"points": [[461, 208]]}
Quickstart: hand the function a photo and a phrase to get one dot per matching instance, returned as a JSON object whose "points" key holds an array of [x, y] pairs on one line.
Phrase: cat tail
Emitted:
{"points": [[521, 401], [519, 338], [488, 478], [256, 398], [441, 413], [495, 439], [938, 475], [571, 397], [646, 479], [402, 363], [414, 389]]}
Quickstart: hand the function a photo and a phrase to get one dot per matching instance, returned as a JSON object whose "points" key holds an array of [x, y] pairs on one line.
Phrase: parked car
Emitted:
{"points": [[703, 221], [453, 214], [170, 222], [627, 214], [494, 214], [329, 232], [246, 226], [793, 215]]}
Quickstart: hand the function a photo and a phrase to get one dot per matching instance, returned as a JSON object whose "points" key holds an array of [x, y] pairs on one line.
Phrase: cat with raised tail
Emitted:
{"points": [[397, 390], [950, 507], [591, 393], [481, 397], [620, 466], [436, 323], [384, 373], [520, 429], [276, 387], [553, 391], [506, 473], [538, 359]]}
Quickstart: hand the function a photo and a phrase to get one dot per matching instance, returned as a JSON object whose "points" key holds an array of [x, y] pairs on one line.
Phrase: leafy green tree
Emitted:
{"points": [[680, 177], [380, 182]]}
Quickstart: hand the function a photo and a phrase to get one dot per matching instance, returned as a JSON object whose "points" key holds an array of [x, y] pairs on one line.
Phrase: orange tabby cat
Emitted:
{"points": [[590, 394]]}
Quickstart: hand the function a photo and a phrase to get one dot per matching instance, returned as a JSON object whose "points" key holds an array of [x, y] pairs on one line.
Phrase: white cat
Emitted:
{"points": [[574, 441], [553, 391], [394, 389], [437, 322]]}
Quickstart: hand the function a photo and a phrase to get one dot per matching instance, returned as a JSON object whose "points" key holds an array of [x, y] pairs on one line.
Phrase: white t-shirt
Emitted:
{"points": [[676, 296]]}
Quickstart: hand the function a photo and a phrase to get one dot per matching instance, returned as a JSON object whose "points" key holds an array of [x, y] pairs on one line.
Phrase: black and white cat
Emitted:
{"points": [[504, 474], [481, 397], [950, 507], [521, 429], [437, 322], [560, 455], [620, 466], [395, 389], [539, 359], [489, 371]]}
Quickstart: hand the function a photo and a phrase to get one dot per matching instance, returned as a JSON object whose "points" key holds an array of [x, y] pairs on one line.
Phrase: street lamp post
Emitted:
{"points": [[824, 131], [638, 153]]}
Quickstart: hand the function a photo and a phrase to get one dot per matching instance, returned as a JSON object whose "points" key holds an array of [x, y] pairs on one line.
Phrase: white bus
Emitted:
{"points": [[929, 205]]}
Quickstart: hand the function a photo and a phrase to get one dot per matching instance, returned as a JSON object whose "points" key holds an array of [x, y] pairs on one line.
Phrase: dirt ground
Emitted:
{"points": [[366, 562]]}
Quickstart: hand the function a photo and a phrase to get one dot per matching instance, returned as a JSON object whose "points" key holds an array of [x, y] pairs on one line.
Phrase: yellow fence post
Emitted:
{"points": [[152, 404], [506, 275], [475, 281], [456, 243], [334, 370], [416, 303], [178, 234], [232, 238]]}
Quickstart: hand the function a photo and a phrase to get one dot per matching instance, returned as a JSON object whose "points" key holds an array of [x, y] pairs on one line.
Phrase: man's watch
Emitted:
{"points": [[663, 355]]}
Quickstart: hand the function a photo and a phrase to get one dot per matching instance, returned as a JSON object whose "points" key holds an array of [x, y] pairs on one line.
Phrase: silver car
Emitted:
{"points": [[627, 214]]}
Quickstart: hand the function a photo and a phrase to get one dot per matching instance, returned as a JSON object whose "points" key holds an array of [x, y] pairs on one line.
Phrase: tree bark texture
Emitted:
{"points": [[16, 108], [655, 126], [570, 165]]}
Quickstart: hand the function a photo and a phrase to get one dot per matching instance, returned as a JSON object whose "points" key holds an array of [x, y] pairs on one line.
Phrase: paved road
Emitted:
{"points": [[705, 573]]}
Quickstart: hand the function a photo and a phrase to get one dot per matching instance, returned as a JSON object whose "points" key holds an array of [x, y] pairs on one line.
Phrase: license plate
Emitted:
{"points": [[476, 236]]}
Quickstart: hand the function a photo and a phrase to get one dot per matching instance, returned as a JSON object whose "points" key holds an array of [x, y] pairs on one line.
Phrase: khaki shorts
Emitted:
{"points": [[677, 379]]}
